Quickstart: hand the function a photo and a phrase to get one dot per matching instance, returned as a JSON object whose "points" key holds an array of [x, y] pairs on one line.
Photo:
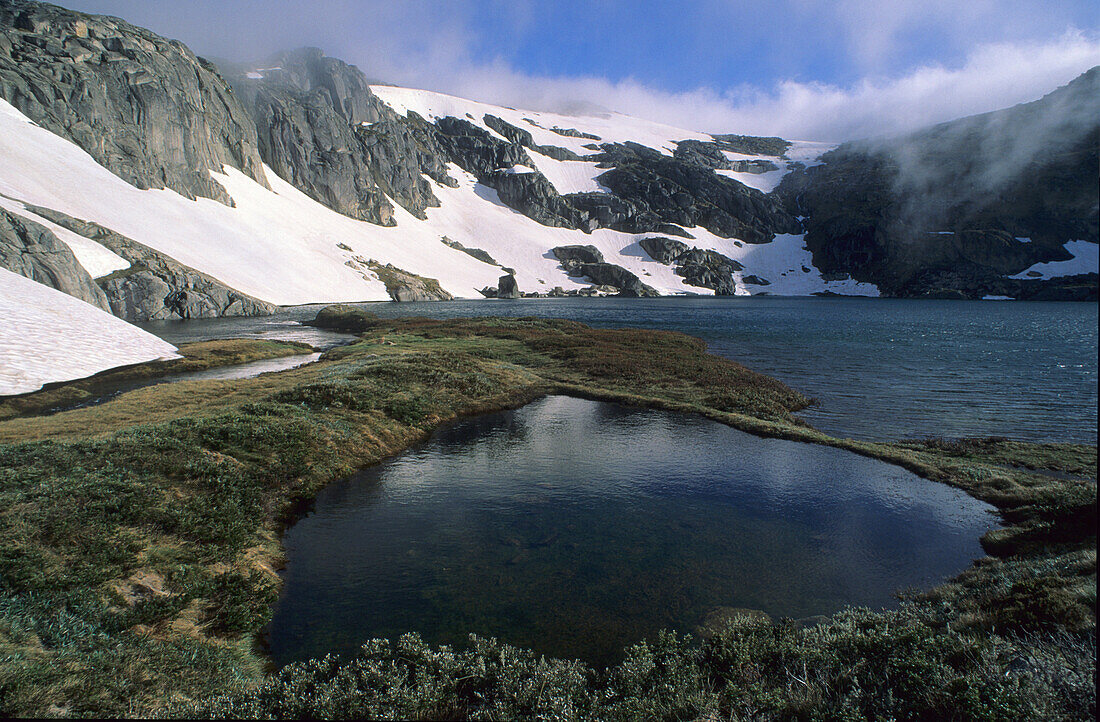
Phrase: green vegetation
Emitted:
{"points": [[344, 318], [138, 540]]}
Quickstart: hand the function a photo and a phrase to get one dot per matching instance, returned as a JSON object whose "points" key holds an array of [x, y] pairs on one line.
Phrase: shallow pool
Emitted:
{"points": [[577, 527]]}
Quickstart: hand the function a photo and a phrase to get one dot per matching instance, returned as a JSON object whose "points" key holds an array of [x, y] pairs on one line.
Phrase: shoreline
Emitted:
{"points": [[531, 359]]}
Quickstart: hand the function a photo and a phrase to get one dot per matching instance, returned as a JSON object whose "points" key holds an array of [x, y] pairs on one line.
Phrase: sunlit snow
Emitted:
{"points": [[1085, 260], [96, 259], [47, 336], [281, 246]]}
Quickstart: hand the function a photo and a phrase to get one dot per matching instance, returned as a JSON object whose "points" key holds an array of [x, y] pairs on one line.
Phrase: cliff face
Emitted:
{"points": [[321, 129], [31, 250], [959, 206], [145, 107]]}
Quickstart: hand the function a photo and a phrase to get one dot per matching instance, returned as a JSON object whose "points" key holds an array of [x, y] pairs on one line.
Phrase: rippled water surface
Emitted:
{"points": [[576, 527], [880, 368]]}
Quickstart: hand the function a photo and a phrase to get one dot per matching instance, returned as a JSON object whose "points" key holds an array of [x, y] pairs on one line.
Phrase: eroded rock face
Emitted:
{"points": [[158, 287], [698, 267], [589, 262], [143, 106], [32, 250], [663, 250], [752, 144], [569, 255], [676, 191], [507, 287], [321, 129], [404, 286], [939, 211]]}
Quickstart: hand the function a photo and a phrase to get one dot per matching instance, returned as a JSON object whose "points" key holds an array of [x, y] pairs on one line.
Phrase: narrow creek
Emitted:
{"points": [[576, 527], [238, 371]]}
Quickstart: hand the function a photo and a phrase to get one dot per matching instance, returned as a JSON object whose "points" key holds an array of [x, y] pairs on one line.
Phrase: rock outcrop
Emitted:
{"points": [[752, 144], [941, 210], [507, 287], [656, 189], [589, 262], [405, 287], [32, 250], [156, 287], [321, 129], [143, 106], [698, 267]]}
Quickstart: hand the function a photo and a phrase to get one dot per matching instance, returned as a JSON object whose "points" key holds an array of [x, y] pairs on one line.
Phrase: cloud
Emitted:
{"points": [[993, 76], [908, 63]]}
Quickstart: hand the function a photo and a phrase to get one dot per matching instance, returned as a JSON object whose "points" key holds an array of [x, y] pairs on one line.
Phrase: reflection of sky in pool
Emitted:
{"points": [[575, 528]]}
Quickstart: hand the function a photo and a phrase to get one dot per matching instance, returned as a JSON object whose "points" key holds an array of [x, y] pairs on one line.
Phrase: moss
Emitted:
{"points": [[138, 541], [344, 318]]}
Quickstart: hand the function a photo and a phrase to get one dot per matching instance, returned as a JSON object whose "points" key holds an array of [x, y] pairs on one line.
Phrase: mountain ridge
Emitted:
{"points": [[426, 174]]}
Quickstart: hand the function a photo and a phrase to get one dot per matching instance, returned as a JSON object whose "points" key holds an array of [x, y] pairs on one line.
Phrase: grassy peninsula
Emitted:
{"points": [[139, 539]]}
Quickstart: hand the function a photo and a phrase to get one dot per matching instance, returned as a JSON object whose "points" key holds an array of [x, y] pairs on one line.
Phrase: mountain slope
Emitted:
{"points": [[296, 181], [455, 191], [965, 207]]}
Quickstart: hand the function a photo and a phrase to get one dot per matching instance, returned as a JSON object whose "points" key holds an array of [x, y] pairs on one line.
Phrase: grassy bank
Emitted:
{"points": [[138, 540]]}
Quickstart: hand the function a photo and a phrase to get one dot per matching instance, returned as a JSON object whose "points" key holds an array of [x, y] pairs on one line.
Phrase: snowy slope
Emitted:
{"points": [[609, 127], [283, 247], [46, 336]]}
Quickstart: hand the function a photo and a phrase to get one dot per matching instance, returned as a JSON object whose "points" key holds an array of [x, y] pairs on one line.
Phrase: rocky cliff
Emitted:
{"points": [[963, 209], [31, 250], [145, 107], [321, 129], [959, 207]]}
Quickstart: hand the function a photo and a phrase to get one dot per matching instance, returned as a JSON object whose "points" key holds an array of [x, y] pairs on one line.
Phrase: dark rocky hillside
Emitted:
{"points": [[939, 211], [143, 106], [321, 129]]}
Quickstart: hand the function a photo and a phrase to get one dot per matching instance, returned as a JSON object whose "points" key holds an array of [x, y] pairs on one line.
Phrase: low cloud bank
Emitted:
{"points": [[993, 76]]}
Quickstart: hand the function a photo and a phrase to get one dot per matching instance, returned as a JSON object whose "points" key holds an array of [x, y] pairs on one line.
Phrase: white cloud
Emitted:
{"points": [[993, 76], [988, 54]]}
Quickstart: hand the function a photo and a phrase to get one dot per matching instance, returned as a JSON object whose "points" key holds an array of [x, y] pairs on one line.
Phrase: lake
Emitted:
{"points": [[880, 368], [577, 527]]}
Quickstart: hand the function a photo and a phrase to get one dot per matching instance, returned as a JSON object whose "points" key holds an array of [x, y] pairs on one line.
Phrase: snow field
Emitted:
{"points": [[47, 336]]}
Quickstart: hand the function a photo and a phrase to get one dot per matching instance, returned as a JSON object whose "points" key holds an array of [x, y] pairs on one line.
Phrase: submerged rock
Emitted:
{"points": [[720, 618], [345, 318]]}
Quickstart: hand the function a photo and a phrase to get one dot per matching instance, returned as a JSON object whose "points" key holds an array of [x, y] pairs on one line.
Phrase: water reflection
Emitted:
{"points": [[577, 527]]}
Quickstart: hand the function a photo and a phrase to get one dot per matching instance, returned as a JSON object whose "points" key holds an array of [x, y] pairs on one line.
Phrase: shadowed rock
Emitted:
{"points": [[32, 250], [156, 286]]}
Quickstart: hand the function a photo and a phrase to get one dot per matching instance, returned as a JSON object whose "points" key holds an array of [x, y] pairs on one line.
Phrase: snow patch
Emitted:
{"points": [[610, 127], [48, 336], [570, 176], [763, 182], [1085, 259], [281, 246], [95, 258]]}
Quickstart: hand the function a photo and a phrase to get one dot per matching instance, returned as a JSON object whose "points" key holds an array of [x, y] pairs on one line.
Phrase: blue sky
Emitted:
{"points": [[801, 68]]}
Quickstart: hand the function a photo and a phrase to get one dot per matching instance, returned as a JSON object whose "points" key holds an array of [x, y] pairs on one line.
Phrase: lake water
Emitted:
{"points": [[576, 527], [880, 368]]}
